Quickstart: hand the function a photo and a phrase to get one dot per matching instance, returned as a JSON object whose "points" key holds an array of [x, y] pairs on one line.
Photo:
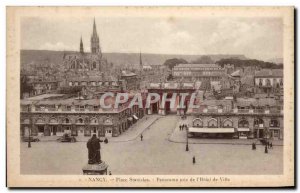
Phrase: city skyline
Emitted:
{"points": [[181, 37]]}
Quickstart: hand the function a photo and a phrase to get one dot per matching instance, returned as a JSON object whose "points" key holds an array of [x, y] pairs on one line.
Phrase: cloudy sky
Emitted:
{"points": [[259, 38]]}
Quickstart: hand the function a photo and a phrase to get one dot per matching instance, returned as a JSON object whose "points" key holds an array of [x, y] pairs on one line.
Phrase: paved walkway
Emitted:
{"points": [[131, 134], [178, 136]]}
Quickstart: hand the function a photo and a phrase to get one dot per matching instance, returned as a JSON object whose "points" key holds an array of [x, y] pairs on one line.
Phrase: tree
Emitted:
{"points": [[244, 63], [170, 63], [170, 77], [25, 86], [203, 60]]}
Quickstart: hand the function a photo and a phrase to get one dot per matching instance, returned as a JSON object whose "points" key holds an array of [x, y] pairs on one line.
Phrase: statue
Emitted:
{"points": [[93, 146]]}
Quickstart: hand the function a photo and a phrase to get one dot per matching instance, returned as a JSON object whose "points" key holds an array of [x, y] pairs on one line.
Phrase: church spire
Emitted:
{"points": [[94, 28], [95, 43], [141, 61], [81, 45]]}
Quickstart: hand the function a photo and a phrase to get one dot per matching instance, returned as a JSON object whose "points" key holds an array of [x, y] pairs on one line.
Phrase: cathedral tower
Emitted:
{"points": [[81, 46], [95, 44]]}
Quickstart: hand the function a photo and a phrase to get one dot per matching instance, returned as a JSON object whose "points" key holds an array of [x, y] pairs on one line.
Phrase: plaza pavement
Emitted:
{"points": [[155, 155], [178, 136]]}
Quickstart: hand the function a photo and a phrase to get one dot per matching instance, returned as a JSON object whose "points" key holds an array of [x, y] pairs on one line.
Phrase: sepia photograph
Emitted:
{"points": [[150, 96]]}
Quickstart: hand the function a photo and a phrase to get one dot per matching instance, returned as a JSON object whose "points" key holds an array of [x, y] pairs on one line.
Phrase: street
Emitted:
{"points": [[154, 155]]}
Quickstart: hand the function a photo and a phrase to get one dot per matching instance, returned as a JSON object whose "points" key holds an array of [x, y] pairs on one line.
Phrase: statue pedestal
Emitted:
{"points": [[95, 169]]}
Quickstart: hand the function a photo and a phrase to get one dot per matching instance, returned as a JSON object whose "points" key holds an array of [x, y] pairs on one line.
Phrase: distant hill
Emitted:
{"points": [[56, 57], [276, 60]]}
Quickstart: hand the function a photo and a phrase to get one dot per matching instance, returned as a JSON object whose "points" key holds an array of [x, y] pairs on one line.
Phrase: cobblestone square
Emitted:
{"points": [[154, 155]]}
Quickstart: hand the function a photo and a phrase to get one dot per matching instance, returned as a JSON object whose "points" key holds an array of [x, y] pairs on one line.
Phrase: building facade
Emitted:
{"points": [[200, 72], [245, 118], [76, 117], [268, 81]]}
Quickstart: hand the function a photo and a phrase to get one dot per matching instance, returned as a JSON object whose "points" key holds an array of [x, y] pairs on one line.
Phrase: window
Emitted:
{"points": [[212, 123], [274, 123], [258, 123], [260, 82], [96, 108], [81, 108], [80, 120], [268, 82], [243, 123], [68, 108], [227, 123], [41, 129]]}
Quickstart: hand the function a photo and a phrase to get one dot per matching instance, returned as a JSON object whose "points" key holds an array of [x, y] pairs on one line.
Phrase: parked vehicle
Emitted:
{"points": [[31, 139], [263, 141], [67, 138]]}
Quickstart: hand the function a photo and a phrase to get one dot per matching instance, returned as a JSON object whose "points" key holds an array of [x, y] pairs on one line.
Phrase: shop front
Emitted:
{"points": [[224, 133]]}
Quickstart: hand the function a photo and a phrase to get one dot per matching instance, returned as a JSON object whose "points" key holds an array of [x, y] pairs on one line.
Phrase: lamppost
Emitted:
{"points": [[187, 139], [29, 130]]}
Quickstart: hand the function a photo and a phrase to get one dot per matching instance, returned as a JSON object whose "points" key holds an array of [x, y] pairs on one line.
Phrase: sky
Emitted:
{"points": [[257, 38]]}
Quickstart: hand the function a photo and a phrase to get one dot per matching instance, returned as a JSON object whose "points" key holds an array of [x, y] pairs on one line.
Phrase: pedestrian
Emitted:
{"points": [[141, 137], [194, 160], [253, 146], [268, 143], [105, 140], [179, 127], [266, 149], [271, 145]]}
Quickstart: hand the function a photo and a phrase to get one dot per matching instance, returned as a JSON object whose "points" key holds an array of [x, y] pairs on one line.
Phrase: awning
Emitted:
{"points": [[53, 123], [135, 117], [211, 130], [129, 118], [243, 129], [274, 128]]}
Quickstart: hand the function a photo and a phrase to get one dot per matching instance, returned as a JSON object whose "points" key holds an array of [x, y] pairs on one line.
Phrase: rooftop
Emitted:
{"points": [[269, 73], [197, 66]]}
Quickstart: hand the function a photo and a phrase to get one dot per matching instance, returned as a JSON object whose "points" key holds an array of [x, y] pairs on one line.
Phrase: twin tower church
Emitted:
{"points": [[87, 61]]}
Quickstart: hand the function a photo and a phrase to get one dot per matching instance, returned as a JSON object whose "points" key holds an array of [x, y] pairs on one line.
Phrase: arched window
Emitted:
{"points": [[274, 123], [80, 120], [227, 123], [281, 82], [213, 123], [197, 123], [94, 121], [67, 120], [243, 123], [258, 122]]}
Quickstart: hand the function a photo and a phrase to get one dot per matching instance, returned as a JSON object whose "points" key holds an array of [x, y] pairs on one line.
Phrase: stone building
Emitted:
{"points": [[268, 81], [244, 118], [46, 117], [201, 72]]}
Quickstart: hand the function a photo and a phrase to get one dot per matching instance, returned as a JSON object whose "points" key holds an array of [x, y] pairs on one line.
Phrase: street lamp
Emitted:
{"points": [[187, 139], [29, 132]]}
